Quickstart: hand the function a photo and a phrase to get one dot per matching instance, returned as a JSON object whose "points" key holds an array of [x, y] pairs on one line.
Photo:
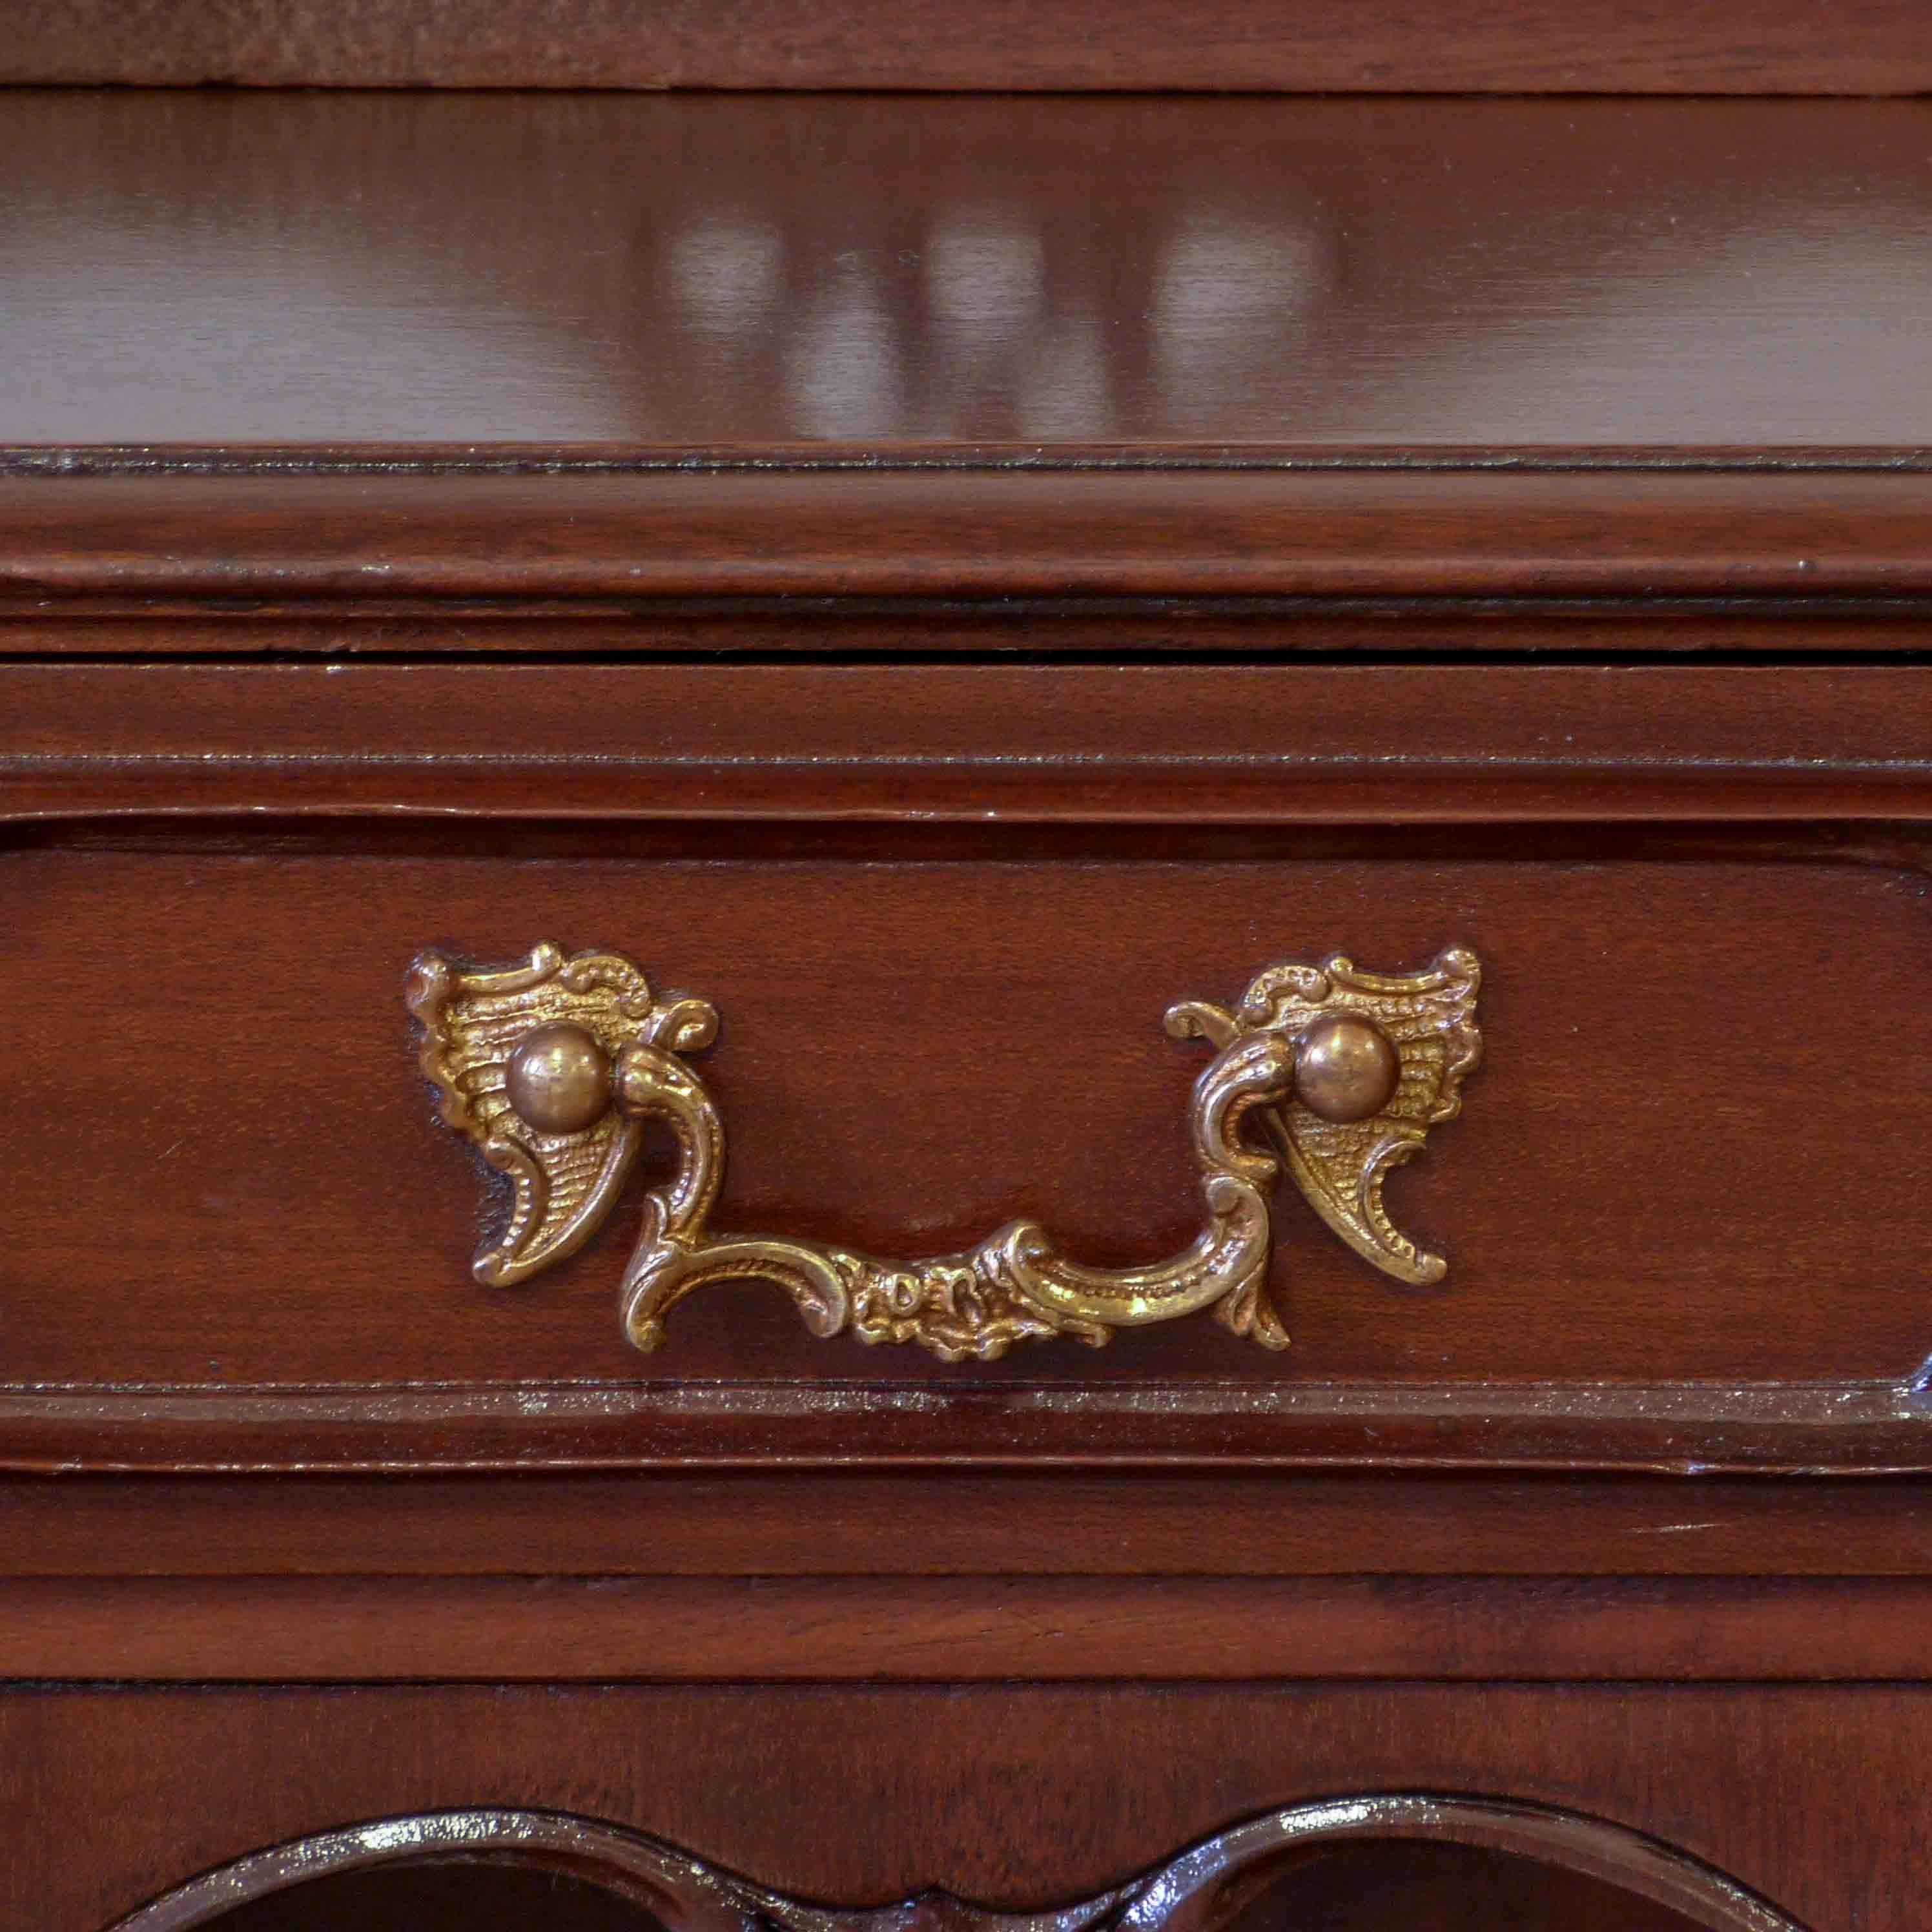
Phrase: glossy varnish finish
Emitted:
{"points": [[1244, 1876], [317, 398], [819, 560], [1591, 45], [1023, 1799], [1543, 1287], [239, 828], [1134, 1523], [551, 277], [989, 746], [889, 1630], [1567, 1330]]}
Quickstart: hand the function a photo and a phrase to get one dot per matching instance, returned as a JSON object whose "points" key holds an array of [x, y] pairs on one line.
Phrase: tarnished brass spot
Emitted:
{"points": [[558, 1078], [1345, 1067], [552, 1068]]}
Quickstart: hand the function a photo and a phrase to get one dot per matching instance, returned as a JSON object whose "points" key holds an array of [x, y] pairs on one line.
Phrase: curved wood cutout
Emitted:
{"points": [[1201, 1890]]}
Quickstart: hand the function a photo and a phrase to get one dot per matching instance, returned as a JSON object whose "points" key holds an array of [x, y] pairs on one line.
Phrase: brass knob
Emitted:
{"points": [[558, 1078], [1345, 1067]]}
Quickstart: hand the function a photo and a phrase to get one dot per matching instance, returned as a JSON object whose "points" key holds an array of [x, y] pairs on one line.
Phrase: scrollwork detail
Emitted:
{"points": [[1345, 1070]]}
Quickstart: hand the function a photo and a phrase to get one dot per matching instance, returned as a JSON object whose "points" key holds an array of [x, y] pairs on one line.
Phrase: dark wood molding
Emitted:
{"points": [[1851, 1429], [1753, 47], [1274, 744], [110, 543], [1381, 630]]}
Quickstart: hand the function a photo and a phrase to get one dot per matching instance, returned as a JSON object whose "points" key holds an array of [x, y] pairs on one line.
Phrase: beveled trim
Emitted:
{"points": [[1091, 528], [1276, 745], [1693, 1428], [1203, 1888]]}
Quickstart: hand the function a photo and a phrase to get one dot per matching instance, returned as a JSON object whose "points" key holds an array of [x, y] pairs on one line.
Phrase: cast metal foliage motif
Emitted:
{"points": [[551, 1068]]}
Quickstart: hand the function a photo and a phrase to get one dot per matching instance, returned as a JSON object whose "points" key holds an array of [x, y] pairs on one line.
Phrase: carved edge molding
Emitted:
{"points": [[551, 1067], [1844, 1428], [1203, 1888]]}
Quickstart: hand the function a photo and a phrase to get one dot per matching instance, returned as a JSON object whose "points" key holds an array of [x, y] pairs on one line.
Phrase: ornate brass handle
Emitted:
{"points": [[552, 1068]]}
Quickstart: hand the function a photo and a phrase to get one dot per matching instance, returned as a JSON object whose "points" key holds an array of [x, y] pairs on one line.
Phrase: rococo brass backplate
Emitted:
{"points": [[553, 1067]]}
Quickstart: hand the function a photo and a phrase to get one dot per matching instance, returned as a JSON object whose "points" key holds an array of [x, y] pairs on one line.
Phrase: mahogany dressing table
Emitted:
{"points": [[717, 807]]}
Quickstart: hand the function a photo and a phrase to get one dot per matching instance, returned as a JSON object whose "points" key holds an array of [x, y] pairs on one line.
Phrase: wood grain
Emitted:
{"points": [[823, 1630], [1578, 1328], [1597, 1233], [1140, 1523], [990, 1791], [1410, 390], [1601, 46]]}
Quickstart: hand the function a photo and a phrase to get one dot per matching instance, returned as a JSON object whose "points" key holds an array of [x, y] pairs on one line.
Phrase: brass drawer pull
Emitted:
{"points": [[552, 1068]]}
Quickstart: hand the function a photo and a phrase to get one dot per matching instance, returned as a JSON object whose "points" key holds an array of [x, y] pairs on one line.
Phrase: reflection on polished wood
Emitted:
{"points": [[631, 275], [1597, 1586]]}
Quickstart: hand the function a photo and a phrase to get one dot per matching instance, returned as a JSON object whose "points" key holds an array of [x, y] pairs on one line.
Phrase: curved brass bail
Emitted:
{"points": [[551, 1068]]}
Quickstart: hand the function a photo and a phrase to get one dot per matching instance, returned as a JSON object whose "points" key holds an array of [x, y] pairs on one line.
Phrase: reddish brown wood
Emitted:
{"points": [[1864, 628], [1244, 1876], [1045, 1630], [1145, 383], [209, 1190], [110, 543], [1594, 46], [1265, 745], [1646, 1341], [262, 281], [1140, 1523], [1862, 1428], [990, 1791]]}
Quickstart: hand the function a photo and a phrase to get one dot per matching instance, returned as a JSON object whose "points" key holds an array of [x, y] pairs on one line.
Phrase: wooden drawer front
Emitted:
{"points": [[1685, 1206], [1633, 1785]]}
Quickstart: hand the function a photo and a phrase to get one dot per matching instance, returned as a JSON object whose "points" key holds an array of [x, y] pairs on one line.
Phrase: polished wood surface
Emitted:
{"points": [[261, 955], [1716, 1208], [1246, 1876], [1720, 46], [911, 562], [773, 749], [889, 1630], [1024, 1799], [943, 579], [620, 277], [1138, 1522]]}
